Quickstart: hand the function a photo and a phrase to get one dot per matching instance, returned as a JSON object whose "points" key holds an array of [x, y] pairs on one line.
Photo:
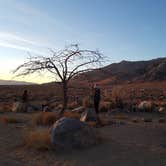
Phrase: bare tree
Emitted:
{"points": [[64, 65]]}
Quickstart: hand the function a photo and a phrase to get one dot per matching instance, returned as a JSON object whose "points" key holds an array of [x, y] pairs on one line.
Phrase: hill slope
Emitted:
{"points": [[152, 70]]}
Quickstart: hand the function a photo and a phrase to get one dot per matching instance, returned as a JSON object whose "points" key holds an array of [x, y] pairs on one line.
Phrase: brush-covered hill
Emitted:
{"points": [[152, 70]]}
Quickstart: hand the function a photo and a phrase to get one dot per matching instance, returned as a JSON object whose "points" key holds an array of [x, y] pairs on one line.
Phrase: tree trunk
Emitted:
{"points": [[65, 97]]}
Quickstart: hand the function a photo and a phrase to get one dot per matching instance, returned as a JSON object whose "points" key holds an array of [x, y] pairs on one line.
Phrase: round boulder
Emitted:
{"points": [[162, 110], [146, 106], [72, 133]]}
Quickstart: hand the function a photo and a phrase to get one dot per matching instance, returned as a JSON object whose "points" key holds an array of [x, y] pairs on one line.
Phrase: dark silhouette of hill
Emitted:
{"points": [[152, 70]]}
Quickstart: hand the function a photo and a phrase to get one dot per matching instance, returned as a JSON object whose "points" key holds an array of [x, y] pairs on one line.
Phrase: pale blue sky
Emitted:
{"points": [[121, 29]]}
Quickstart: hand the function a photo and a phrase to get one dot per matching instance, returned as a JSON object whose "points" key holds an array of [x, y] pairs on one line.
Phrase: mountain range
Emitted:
{"points": [[128, 71]]}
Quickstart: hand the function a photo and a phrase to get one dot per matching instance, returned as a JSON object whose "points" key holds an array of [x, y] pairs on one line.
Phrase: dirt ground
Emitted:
{"points": [[125, 144]]}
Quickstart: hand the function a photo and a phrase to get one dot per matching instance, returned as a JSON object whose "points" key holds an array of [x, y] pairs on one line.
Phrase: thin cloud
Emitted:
{"points": [[14, 37], [8, 45], [10, 40]]}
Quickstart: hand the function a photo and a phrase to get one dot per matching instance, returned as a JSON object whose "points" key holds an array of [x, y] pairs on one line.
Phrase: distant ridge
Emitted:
{"points": [[13, 82], [124, 71]]}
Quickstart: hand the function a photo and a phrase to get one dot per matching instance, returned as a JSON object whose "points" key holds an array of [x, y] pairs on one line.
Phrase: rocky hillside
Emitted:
{"points": [[152, 70]]}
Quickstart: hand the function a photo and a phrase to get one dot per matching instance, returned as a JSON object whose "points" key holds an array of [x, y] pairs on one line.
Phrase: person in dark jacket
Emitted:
{"points": [[97, 94], [96, 98], [25, 96]]}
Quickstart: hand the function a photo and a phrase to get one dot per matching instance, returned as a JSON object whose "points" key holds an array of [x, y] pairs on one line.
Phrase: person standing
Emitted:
{"points": [[97, 94], [25, 96], [96, 98]]}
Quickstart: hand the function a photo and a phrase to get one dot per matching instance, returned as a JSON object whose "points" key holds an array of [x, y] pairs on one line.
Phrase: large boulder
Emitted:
{"points": [[162, 110], [89, 115], [72, 133], [146, 106], [20, 107]]}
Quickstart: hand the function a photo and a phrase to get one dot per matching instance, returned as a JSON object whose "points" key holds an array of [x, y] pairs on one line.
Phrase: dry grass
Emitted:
{"points": [[5, 119], [120, 116], [38, 139], [45, 118], [5, 107]]}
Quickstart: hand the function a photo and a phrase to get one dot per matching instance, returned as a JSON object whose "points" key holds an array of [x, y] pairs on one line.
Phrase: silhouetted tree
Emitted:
{"points": [[64, 64]]}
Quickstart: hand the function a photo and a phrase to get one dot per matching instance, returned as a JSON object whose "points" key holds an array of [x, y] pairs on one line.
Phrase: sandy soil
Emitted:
{"points": [[128, 144]]}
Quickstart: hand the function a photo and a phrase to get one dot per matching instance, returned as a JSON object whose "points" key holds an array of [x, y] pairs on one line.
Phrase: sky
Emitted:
{"points": [[121, 29]]}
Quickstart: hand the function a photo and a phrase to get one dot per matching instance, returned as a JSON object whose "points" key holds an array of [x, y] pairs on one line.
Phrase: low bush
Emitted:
{"points": [[117, 97], [38, 139], [5, 119], [45, 118], [5, 108]]}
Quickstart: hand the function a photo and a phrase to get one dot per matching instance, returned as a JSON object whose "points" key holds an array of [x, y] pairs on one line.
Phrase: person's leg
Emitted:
{"points": [[97, 112]]}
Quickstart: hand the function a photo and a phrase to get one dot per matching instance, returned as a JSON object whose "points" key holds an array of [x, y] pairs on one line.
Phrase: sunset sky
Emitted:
{"points": [[121, 29]]}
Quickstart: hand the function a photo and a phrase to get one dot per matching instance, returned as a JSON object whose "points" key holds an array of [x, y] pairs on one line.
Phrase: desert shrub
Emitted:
{"points": [[45, 118], [87, 102], [117, 97], [70, 114], [5, 108], [13, 120], [38, 139], [4, 119]]}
